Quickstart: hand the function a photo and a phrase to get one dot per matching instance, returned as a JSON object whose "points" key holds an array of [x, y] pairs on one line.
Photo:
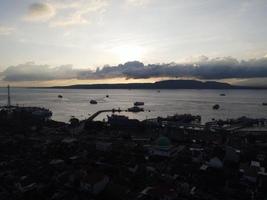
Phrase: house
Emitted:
{"points": [[231, 155], [216, 163], [94, 183], [103, 146], [158, 192], [251, 170]]}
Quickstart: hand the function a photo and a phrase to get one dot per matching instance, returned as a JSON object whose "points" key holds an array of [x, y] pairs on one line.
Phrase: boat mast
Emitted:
{"points": [[8, 97]]}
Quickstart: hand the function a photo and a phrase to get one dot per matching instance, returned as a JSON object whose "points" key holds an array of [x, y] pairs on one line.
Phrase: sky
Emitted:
{"points": [[61, 42]]}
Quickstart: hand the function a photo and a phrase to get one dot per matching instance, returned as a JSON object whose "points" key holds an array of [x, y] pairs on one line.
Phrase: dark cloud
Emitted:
{"points": [[121, 70], [220, 68], [204, 68], [217, 68], [40, 12], [62, 13]]}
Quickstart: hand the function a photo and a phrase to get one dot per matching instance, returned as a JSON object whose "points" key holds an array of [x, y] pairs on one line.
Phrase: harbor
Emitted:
{"points": [[169, 157]]}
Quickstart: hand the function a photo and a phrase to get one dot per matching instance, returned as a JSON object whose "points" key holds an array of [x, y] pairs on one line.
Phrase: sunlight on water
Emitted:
{"points": [[76, 102]]}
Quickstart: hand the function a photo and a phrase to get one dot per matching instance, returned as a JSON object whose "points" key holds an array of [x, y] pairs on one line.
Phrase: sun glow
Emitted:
{"points": [[128, 53]]}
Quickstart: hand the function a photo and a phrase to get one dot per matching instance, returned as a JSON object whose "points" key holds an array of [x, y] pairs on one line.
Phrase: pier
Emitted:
{"points": [[93, 116]]}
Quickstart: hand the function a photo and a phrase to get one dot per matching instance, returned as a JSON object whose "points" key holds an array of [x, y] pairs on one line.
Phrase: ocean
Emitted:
{"points": [[76, 102]]}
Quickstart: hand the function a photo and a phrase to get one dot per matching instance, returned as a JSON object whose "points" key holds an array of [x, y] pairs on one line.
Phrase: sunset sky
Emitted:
{"points": [[64, 42]]}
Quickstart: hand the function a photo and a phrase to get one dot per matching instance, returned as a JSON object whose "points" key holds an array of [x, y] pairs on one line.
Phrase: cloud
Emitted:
{"points": [[40, 12], [6, 30], [203, 68], [59, 13], [33, 72], [228, 67], [121, 70], [77, 12]]}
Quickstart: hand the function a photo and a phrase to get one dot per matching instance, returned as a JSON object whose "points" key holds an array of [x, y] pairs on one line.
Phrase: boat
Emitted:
{"points": [[60, 96], [135, 109], [18, 113], [181, 119], [139, 103], [222, 94], [107, 96], [93, 101], [216, 107], [122, 121], [264, 104]]}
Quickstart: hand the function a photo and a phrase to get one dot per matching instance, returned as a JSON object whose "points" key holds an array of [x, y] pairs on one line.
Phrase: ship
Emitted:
{"points": [[135, 109], [28, 112], [20, 112], [122, 121], [139, 103]]}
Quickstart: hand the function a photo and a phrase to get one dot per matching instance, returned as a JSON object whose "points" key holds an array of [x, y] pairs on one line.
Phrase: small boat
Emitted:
{"points": [[158, 91], [264, 104], [222, 94], [216, 107], [93, 102], [139, 103], [136, 109], [60, 96], [107, 96]]}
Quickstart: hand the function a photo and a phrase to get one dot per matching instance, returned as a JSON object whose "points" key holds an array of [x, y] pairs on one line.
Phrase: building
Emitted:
{"points": [[94, 183], [163, 148]]}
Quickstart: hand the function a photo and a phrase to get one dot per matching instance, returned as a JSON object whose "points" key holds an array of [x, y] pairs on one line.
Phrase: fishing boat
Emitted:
{"points": [[136, 109], [216, 107], [93, 101], [139, 103]]}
